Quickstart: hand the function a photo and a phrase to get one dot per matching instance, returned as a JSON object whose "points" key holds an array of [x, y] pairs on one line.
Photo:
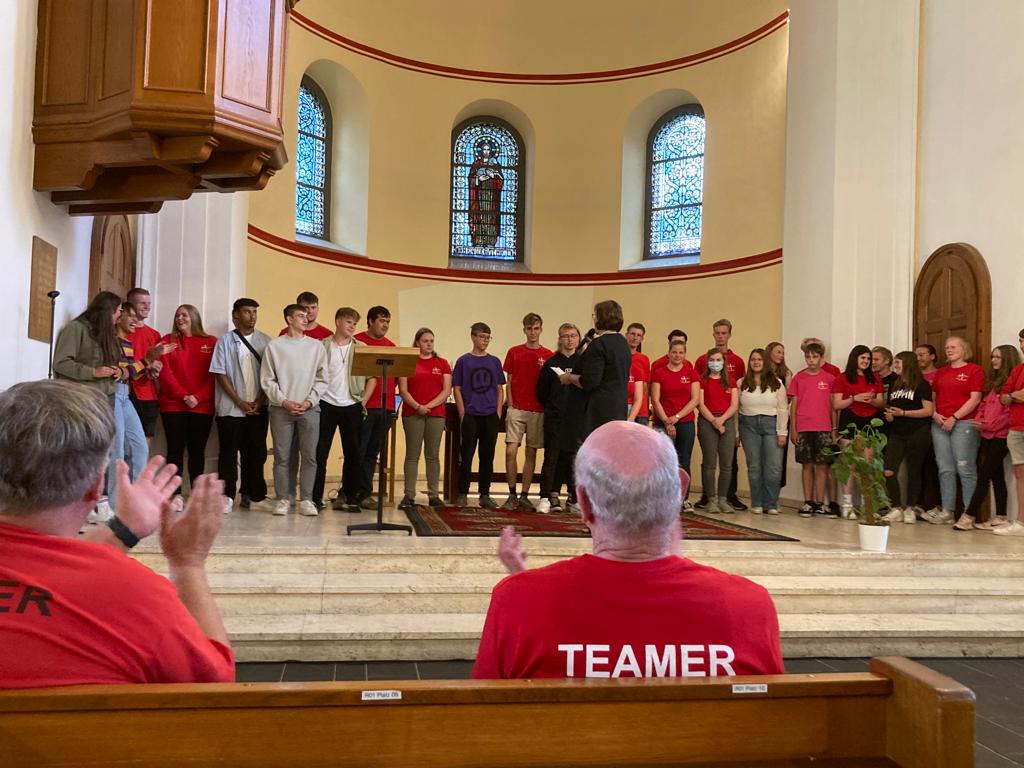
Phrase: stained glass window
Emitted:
{"points": [[487, 191], [313, 162], [675, 184]]}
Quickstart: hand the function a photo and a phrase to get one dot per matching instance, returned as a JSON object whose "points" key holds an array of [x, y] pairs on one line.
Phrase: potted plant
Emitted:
{"points": [[861, 459]]}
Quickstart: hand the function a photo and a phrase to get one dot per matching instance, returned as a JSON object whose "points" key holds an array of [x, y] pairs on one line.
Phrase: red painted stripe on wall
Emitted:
{"points": [[525, 78], [321, 255]]}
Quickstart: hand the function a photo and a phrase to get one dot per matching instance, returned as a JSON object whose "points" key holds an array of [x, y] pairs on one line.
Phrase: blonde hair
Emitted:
{"points": [[964, 344]]}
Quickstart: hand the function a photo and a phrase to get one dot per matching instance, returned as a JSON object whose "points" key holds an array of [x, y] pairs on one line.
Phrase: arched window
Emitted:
{"points": [[675, 184], [313, 163], [487, 190]]}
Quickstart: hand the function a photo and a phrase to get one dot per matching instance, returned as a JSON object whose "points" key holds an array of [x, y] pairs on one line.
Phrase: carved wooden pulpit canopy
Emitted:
{"points": [[142, 101]]}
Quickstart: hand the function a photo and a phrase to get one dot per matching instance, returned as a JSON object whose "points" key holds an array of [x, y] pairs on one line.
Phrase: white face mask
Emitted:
{"points": [[716, 366]]}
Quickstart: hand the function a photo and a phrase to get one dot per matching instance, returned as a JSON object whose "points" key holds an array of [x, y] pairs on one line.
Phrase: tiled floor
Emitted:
{"points": [[997, 683]]}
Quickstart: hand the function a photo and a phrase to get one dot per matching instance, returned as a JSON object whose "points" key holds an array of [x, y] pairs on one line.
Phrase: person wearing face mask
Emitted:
{"points": [[187, 390], [719, 401]]}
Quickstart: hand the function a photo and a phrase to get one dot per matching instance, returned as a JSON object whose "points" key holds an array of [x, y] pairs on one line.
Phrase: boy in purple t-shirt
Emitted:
{"points": [[813, 428], [477, 381]]}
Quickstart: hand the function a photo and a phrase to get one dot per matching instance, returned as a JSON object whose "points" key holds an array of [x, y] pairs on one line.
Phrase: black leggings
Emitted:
{"points": [[911, 447], [187, 431], [990, 470]]}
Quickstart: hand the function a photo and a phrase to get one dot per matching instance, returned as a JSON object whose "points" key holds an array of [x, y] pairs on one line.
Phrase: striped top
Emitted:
{"points": [[128, 362]]}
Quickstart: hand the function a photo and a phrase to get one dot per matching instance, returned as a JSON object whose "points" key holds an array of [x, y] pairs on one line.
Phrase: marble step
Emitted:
{"points": [[316, 637], [479, 558], [373, 593]]}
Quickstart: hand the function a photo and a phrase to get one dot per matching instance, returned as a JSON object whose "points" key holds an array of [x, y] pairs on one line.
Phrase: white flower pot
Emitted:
{"points": [[873, 538]]}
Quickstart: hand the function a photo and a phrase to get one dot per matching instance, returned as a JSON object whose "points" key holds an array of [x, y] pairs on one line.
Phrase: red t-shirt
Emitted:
{"points": [[676, 389], [383, 341], [143, 338], [81, 613], [427, 383], [593, 617], [717, 398], [832, 369], [1014, 384], [840, 386], [523, 365], [953, 387], [814, 401], [317, 332], [661, 362], [639, 370], [733, 364], [186, 371]]}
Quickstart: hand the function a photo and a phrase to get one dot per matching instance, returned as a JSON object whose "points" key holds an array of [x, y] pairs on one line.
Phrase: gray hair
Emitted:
{"points": [[54, 440], [627, 503]]}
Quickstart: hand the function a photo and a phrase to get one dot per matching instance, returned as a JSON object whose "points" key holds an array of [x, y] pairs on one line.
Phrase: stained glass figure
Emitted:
{"points": [[675, 161], [312, 167], [486, 213]]}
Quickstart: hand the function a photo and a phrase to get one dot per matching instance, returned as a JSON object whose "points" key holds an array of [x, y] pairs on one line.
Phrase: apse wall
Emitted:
{"points": [[582, 84]]}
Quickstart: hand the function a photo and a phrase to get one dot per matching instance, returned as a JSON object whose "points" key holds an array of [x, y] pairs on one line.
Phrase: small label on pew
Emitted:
{"points": [[750, 688], [385, 695]]}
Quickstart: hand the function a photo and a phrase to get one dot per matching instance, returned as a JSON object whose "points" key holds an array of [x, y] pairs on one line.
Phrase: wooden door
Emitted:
{"points": [[112, 263], [953, 297]]}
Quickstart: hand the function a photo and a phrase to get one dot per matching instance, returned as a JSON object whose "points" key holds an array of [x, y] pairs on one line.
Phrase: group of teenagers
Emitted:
{"points": [[958, 421]]}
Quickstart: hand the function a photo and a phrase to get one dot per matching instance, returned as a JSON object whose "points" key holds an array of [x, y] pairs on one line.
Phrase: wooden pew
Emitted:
{"points": [[900, 713]]}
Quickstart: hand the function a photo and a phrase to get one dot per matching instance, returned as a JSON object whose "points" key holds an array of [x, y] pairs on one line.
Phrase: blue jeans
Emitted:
{"points": [[956, 453], [129, 442], [684, 440], [764, 459]]}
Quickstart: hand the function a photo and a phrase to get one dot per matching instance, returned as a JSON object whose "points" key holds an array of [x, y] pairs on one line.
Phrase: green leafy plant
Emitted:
{"points": [[861, 458]]}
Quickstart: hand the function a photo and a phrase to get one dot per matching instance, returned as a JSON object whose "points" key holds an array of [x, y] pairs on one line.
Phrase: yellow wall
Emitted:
{"points": [[584, 147]]}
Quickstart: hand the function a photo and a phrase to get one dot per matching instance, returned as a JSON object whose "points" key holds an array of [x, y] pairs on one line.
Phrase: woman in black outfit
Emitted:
{"points": [[604, 369]]}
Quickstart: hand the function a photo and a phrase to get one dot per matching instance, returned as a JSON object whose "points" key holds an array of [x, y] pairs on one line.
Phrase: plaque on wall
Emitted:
{"points": [[44, 280]]}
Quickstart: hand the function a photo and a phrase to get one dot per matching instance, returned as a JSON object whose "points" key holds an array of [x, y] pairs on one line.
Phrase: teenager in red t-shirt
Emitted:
{"points": [[673, 335], [186, 390], [675, 395], [812, 425], [525, 416], [143, 339], [857, 396], [378, 421], [310, 302], [639, 376], [423, 397], [716, 429], [633, 608], [1013, 396], [957, 387]]}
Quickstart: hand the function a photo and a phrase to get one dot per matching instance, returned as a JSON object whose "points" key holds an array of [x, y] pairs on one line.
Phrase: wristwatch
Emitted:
{"points": [[122, 532]]}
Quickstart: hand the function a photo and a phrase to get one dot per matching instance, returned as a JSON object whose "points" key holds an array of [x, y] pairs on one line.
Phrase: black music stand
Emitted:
{"points": [[371, 362]]}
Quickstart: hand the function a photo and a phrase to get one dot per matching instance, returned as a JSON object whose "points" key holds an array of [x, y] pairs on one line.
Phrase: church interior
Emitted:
{"points": [[857, 181]]}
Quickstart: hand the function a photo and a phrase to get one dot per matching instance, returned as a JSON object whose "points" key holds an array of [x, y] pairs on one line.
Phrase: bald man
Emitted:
{"points": [[633, 608]]}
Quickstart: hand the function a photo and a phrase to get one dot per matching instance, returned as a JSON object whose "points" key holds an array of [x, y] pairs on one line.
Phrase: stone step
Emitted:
{"points": [[316, 637], [480, 559], [373, 593]]}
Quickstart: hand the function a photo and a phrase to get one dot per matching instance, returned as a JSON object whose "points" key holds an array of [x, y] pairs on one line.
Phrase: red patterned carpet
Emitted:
{"points": [[473, 521]]}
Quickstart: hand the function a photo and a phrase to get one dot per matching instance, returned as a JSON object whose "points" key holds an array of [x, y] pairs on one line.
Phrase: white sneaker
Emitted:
{"points": [[228, 505], [942, 517], [687, 506], [771, 511], [308, 509], [101, 513], [910, 515], [846, 510], [927, 516], [894, 515], [1012, 529], [282, 507], [757, 510], [263, 505], [544, 506]]}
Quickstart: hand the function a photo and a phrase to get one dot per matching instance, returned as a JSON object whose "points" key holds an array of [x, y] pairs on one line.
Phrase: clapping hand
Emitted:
{"points": [[139, 503], [186, 537], [510, 550]]}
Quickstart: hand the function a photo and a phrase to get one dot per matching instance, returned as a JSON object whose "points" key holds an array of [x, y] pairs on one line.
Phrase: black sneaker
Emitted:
{"points": [[556, 503], [830, 511], [736, 504], [833, 509], [435, 502], [245, 502], [820, 509], [702, 504], [807, 510], [407, 503]]}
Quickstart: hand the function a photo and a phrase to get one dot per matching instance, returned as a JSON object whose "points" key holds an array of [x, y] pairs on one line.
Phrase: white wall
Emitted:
{"points": [[24, 212]]}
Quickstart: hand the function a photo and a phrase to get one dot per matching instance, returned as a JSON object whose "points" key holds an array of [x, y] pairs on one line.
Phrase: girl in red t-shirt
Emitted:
{"points": [[719, 401], [186, 390], [675, 395], [857, 394], [957, 387], [423, 398]]}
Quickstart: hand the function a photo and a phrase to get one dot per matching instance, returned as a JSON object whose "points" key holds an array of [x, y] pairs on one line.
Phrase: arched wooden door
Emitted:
{"points": [[953, 297], [112, 262]]}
